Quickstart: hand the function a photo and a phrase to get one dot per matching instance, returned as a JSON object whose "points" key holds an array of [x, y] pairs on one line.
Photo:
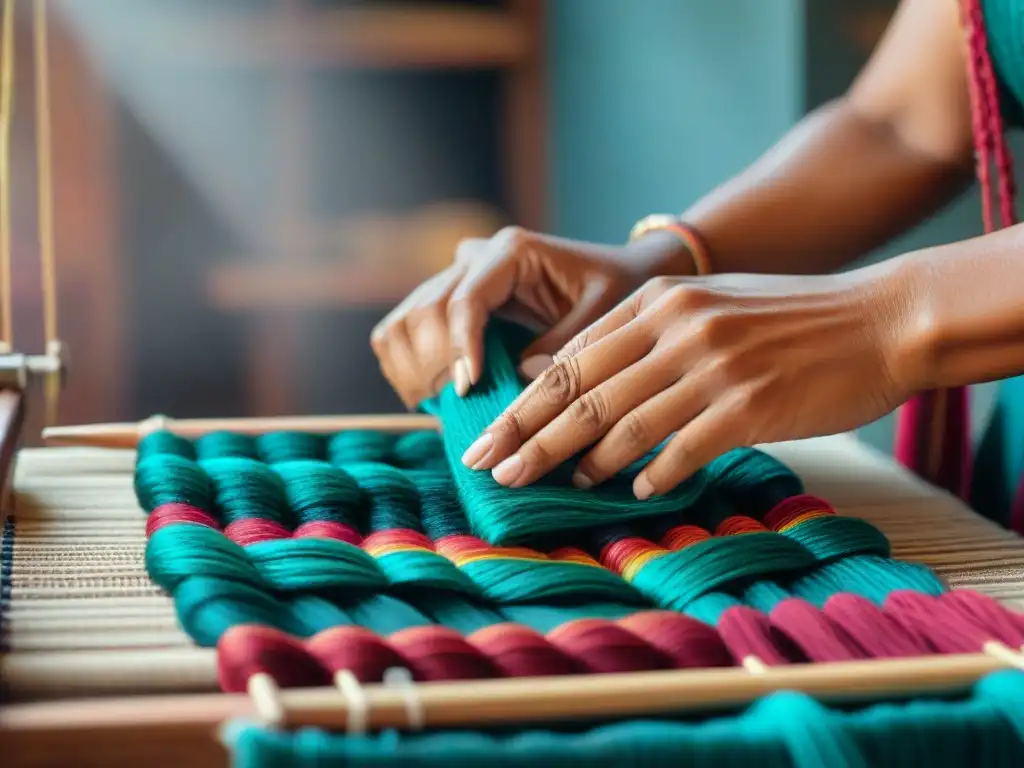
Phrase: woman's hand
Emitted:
{"points": [[436, 334], [724, 362]]}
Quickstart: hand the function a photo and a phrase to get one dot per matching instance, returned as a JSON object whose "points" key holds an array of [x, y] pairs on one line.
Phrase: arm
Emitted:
{"points": [[859, 171], [733, 360], [964, 311]]}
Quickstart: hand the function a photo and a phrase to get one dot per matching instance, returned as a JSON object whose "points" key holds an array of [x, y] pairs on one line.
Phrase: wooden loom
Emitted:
{"points": [[96, 669], [95, 656]]}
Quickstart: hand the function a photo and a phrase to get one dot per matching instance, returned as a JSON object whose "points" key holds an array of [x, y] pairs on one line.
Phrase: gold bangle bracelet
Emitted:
{"points": [[666, 223]]}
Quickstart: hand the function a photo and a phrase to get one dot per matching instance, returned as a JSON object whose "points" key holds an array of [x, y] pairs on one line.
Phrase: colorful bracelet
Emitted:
{"points": [[686, 233]]}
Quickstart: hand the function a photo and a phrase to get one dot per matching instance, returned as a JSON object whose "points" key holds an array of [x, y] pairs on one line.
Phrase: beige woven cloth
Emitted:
{"points": [[84, 618]]}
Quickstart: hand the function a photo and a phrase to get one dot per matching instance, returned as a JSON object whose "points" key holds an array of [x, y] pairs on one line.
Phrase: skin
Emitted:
{"points": [[639, 349]]}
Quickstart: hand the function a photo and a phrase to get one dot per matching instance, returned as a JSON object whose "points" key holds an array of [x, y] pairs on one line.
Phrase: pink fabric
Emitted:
{"points": [[928, 418]]}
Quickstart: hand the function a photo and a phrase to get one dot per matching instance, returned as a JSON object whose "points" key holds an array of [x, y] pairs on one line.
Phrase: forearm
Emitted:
{"points": [[963, 310], [837, 186]]}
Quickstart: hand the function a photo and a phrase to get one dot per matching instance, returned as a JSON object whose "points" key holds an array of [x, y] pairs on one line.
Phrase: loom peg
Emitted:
{"points": [[128, 434], [266, 698], [1005, 654]]}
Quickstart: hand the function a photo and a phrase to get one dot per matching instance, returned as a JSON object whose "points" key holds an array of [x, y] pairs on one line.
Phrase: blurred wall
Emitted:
{"points": [[655, 103]]}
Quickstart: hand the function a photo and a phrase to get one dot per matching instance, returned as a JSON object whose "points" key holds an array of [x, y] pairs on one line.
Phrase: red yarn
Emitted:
{"points": [[850, 627], [986, 113], [749, 633], [788, 510], [329, 529], [252, 530], [686, 641], [926, 615], [441, 653], [600, 645], [247, 649], [616, 555], [357, 649], [683, 536], [172, 514], [1003, 624], [518, 651], [881, 636], [816, 634], [737, 524]]}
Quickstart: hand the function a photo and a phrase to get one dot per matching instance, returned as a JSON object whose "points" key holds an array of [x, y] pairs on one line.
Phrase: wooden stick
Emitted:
{"points": [[127, 435], [520, 700], [12, 418]]}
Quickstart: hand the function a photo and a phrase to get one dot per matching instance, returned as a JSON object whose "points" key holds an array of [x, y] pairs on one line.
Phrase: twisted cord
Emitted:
{"points": [[848, 628]]}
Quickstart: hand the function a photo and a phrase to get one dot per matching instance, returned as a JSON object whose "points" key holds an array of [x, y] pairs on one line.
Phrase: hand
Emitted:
{"points": [[723, 362], [436, 334]]}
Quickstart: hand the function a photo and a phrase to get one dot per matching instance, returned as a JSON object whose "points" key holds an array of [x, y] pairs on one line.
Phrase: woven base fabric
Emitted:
{"points": [[82, 617]]}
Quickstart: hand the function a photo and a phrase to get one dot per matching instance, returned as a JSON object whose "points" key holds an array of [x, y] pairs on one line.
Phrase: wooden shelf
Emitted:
{"points": [[304, 286], [395, 37]]}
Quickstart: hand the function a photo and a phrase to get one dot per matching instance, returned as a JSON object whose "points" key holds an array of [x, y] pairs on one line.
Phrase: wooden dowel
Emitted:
{"points": [[127, 435], [524, 700], [157, 673], [12, 418]]}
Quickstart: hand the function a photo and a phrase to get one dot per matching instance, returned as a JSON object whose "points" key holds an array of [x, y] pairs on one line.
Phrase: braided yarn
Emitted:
{"points": [[301, 555]]}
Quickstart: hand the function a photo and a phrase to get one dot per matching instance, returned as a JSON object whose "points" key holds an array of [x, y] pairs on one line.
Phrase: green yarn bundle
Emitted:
{"points": [[503, 516]]}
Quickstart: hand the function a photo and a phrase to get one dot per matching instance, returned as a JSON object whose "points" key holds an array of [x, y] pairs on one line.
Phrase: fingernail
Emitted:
{"points": [[642, 488], [461, 377], [509, 470], [534, 366], [478, 450], [581, 481]]}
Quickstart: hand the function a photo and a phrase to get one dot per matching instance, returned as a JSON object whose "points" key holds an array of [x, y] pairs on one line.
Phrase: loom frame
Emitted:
{"points": [[101, 731]]}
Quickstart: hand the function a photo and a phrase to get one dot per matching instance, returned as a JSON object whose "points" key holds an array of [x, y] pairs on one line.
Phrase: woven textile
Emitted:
{"points": [[301, 555]]}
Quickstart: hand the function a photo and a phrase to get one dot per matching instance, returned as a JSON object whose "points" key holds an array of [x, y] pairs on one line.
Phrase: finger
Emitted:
{"points": [[397, 362], [638, 432], [554, 391], [487, 284], [709, 435], [596, 300], [615, 319], [433, 291], [430, 350], [587, 420], [626, 311]]}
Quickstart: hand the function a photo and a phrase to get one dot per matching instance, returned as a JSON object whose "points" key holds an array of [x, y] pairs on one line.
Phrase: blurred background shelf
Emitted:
{"points": [[240, 287], [396, 35]]}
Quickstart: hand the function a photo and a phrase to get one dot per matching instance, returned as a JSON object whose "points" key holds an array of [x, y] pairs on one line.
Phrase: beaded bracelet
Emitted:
{"points": [[686, 233]]}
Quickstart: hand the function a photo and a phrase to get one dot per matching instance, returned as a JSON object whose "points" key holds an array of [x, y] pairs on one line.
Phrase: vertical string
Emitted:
{"points": [[6, 111], [45, 175], [44, 182]]}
